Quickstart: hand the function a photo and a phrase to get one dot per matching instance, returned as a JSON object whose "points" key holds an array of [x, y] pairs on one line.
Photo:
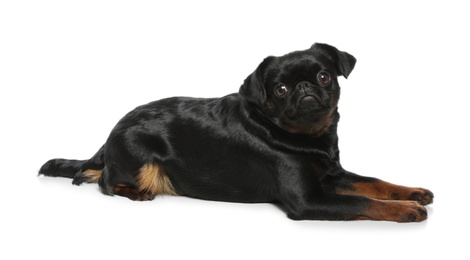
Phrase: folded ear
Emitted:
{"points": [[344, 61], [253, 88]]}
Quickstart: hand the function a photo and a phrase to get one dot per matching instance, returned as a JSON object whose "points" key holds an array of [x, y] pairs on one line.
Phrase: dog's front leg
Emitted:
{"points": [[347, 183], [306, 197], [347, 207]]}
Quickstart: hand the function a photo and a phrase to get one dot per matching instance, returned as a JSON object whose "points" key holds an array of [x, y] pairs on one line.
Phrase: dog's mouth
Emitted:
{"points": [[311, 103], [306, 107], [310, 100]]}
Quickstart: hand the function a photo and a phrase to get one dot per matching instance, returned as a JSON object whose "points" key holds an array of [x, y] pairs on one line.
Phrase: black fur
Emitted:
{"points": [[252, 146]]}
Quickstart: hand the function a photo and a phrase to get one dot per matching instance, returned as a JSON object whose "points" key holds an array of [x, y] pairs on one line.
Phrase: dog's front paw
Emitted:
{"points": [[422, 196], [399, 211], [411, 212]]}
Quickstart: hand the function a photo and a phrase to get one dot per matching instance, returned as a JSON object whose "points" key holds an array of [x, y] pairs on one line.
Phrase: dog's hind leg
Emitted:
{"points": [[149, 182]]}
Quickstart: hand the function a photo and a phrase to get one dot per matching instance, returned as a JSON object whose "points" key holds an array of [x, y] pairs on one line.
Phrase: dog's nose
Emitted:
{"points": [[304, 85]]}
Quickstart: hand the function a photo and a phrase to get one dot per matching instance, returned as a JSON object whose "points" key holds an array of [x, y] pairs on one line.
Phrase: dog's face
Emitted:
{"points": [[299, 91]]}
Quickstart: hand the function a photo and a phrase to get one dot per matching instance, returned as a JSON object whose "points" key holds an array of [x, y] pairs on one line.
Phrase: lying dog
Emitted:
{"points": [[274, 141]]}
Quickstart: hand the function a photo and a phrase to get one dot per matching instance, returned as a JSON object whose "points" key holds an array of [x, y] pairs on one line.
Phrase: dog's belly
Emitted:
{"points": [[223, 179]]}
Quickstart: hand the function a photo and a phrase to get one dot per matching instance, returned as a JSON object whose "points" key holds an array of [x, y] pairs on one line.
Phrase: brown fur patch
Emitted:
{"points": [[376, 189], [92, 176], [153, 181]]}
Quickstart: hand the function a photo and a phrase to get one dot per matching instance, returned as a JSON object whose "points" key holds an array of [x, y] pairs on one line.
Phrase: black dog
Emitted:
{"points": [[274, 141]]}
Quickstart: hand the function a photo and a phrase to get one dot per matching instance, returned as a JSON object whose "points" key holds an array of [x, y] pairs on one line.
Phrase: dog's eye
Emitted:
{"points": [[324, 78], [280, 91]]}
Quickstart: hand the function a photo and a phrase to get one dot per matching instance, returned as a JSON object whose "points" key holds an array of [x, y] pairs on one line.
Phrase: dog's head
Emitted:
{"points": [[299, 91]]}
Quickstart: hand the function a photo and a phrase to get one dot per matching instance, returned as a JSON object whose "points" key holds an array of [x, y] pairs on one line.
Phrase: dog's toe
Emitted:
{"points": [[422, 196]]}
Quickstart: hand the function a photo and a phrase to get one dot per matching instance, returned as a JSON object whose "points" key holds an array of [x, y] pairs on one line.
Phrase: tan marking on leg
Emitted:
{"points": [[153, 181], [387, 191], [92, 176], [376, 189]]}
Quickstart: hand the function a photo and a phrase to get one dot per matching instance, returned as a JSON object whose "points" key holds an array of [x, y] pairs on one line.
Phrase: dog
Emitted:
{"points": [[275, 141]]}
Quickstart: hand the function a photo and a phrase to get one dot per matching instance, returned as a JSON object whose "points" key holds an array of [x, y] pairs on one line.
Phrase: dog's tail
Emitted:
{"points": [[80, 170]]}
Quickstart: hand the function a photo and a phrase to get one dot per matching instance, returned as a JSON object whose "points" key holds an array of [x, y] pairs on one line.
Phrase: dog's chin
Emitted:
{"points": [[308, 109]]}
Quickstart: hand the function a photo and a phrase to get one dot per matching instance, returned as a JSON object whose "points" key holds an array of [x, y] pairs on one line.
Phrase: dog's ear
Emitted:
{"points": [[344, 61], [253, 88]]}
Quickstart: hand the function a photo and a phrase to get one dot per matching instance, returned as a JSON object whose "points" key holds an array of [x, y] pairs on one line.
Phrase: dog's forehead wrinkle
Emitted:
{"points": [[299, 70]]}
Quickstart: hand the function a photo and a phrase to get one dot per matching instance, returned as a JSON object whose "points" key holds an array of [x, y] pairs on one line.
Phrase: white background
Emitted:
{"points": [[69, 70]]}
